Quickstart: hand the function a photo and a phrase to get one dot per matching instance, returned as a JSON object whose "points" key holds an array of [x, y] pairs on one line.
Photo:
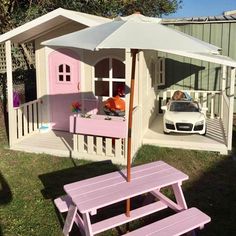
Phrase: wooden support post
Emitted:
{"points": [[223, 87], [11, 112], [212, 105], [231, 108]]}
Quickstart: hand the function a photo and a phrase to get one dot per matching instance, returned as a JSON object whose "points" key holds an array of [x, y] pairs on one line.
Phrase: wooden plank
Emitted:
{"points": [[225, 43], [164, 100], [75, 143], [69, 219], [25, 120], [20, 128], [176, 224], [212, 106], [63, 203], [99, 145], [135, 170], [90, 143], [81, 143], [30, 117], [35, 119], [231, 108], [204, 102], [168, 202], [118, 148], [232, 46], [122, 219], [11, 112], [179, 195], [108, 146], [39, 114]]}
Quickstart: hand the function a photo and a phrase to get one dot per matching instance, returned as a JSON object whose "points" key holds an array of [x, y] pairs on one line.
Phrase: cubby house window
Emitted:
{"points": [[157, 71], [64, 73], [161, 71], [109, 78]]}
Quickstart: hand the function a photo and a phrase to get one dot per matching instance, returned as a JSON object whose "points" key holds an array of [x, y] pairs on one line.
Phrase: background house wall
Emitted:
{"points": [[148, 99], [201, 75]]}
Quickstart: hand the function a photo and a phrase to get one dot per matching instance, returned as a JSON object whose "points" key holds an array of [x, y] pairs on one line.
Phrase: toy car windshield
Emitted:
{"points": [[184, 106]]}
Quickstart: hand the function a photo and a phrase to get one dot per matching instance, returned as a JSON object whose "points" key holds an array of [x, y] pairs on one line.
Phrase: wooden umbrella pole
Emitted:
{"points": [[131, 102]]}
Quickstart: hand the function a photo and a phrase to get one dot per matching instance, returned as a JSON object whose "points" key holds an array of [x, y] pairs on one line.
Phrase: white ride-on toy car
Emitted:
{"points": [[184, 116]]}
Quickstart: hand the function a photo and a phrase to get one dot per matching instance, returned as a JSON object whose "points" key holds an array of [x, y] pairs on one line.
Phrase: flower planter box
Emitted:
{"points": [[97, 125]]}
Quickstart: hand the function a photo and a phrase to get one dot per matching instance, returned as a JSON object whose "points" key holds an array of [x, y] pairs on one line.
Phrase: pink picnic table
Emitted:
{"points": [[92, 194]]}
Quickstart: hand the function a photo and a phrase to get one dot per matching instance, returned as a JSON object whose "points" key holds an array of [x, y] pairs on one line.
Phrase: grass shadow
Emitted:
{"points": [[53, 182], [211, 186], [214, 193], [5, 194], [5, 191]]}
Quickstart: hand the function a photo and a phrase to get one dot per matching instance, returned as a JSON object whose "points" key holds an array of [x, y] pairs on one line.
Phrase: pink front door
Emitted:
{"points": [[64, 77]]}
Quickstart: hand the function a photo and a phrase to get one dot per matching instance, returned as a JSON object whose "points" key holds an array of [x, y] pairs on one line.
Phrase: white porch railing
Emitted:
{"points": [[99, 148], [207, 99], [28, 118], [102, 148]]}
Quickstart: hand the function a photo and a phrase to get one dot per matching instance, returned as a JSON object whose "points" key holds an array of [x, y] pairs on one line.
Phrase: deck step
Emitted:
{"points": [[177, 224], [122, 219], [62, 203]]}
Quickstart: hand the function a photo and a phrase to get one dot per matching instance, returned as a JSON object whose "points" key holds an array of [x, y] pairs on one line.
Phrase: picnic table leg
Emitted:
{"points": [[179, 195], [70, 218], [87, 224]]}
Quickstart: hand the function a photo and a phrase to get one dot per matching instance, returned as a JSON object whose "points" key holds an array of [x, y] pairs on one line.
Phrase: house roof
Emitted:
{"points": [[31, 30], [226, 17]]}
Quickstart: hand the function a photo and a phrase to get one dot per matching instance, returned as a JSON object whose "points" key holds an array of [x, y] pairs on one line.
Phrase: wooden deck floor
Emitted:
{"points": [[54, 142], [213, 141]]}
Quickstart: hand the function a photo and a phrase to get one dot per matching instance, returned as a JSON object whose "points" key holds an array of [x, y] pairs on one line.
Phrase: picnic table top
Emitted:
{"points": [[97, 192]]}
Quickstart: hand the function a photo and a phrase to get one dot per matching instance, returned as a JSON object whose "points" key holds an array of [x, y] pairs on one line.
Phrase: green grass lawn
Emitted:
{"points": [[30, 182]]}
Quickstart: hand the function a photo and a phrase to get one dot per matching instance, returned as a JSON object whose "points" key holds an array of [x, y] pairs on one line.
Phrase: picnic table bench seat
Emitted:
{"points": [[62, 203], [174, 225]]}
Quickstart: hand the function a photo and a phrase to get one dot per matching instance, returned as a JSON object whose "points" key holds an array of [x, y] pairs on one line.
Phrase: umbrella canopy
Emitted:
{"points": [[134, 31]]}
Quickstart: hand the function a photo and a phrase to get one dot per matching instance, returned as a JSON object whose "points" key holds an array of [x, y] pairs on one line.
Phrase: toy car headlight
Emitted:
{"points": [[169, 122], [199, 123]]}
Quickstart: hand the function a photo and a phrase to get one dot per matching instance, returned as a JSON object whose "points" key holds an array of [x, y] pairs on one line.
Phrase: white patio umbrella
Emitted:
{"points": [[135, 32]]}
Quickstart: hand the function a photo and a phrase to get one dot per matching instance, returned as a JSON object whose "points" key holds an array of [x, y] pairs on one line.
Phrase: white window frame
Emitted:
{"points": [[158, 72], [64, 74], [110, 79], [153, 73], [161, 73]]}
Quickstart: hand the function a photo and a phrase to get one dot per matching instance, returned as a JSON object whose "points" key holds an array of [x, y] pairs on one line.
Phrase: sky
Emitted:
{"points": [[192, 8]]}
